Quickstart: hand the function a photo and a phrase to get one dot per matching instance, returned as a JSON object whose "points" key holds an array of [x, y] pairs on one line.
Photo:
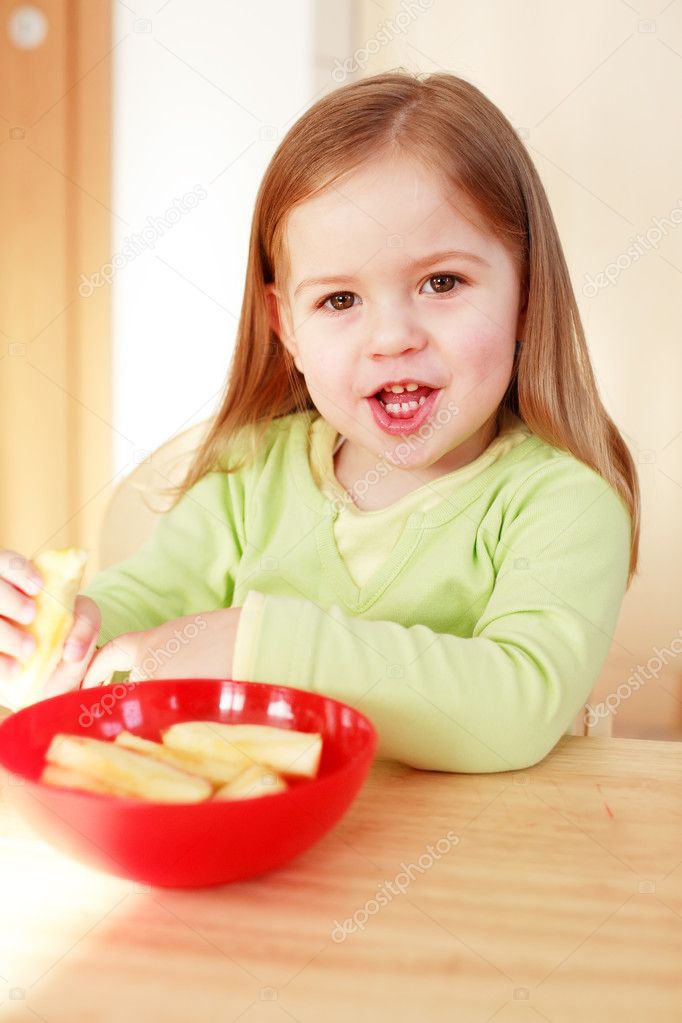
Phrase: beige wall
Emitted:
{"points": [[594, 91]]}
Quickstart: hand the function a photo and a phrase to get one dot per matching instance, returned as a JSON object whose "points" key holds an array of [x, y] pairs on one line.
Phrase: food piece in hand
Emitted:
{"points": [[135, 773], [282, 749], [256, 780], [219, 772], [67, 778], [62, 571]]}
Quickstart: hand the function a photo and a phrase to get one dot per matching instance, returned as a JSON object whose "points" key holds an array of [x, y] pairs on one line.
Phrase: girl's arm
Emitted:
{"points": [[500, 699]]}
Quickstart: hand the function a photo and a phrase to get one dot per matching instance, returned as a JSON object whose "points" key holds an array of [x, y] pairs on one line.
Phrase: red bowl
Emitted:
{"points": [[186, 844]]}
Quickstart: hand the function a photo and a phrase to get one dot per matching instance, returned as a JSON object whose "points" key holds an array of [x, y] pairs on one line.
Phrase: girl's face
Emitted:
{"points": [[393, 307]]}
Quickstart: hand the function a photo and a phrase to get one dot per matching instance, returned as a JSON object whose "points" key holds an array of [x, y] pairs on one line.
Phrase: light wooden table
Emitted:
{"points": [[553, 894]]}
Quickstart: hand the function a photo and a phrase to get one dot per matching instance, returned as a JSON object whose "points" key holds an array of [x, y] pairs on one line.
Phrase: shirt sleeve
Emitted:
{"points": [[186, 566], [501, 698]]}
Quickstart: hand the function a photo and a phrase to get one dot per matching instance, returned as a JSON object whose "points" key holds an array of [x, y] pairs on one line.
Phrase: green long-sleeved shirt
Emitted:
{"points": [[474, 642]]}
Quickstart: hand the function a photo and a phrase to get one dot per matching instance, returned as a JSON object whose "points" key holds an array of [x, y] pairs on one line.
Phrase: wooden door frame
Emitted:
{"points": [[55, 119]]}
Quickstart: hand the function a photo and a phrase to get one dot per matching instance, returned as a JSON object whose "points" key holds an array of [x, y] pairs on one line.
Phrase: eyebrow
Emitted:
{"points": [[435, 257]]}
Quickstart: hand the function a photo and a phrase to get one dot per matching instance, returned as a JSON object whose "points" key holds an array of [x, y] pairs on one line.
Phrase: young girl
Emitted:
{"points": [[412, 498]]}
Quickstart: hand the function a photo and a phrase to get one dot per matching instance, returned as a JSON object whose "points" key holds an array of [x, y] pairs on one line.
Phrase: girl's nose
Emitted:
{"points": [[395, 332]]}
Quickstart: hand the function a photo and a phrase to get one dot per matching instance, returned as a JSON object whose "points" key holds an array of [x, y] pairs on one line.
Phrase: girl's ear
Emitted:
{"points": [[272, 308], [277, 324]]}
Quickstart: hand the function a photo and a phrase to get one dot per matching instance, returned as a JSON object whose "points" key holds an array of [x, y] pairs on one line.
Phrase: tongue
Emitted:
{"points": [[389, 397]]}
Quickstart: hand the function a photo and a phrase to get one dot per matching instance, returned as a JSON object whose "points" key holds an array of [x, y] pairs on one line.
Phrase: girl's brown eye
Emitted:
{"points": [[342, 295], [442, 282]]}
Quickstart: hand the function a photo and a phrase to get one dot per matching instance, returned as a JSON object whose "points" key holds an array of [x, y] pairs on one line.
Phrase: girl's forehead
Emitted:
{"points": [[378, 190], [397, 205]]}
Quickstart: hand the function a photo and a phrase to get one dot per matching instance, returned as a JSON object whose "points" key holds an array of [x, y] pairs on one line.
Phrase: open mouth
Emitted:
{"points": [[405, 405], [403, 413]]}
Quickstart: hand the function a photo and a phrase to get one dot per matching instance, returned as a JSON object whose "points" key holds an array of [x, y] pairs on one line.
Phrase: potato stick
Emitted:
{"points": [[300, 760], [65, 777], [254, 781], [198, 739], [283, 750], [262, 733], [218, 772], [138, 774]]}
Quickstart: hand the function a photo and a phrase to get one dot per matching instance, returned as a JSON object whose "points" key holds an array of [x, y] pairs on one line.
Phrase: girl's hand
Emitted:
{"points": [[19, 583], [199, 646]]}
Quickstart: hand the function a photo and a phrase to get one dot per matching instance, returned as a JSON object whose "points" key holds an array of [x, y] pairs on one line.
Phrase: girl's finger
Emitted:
{"points": [[68, 674], [20, 571], [12, 640], [117, 655], [14, 605], [85, 628], [8, 679]]}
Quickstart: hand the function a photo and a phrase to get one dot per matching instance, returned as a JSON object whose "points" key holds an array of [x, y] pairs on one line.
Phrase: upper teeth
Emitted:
{"points": [[398, 388]]}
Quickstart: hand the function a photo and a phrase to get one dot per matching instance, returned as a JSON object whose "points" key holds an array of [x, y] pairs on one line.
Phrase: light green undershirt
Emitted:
{"points": [[366, 538]]}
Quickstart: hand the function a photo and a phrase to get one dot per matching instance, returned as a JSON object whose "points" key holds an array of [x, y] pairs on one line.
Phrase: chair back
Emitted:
{"points": [[138, 500]]}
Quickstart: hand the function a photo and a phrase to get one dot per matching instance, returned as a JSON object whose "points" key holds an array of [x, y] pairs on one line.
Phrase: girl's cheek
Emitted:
{"points": [[484, 358], [326, 362], [478, 349]]}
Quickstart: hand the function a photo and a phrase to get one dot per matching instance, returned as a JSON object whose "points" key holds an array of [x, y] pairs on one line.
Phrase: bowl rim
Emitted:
{"points": [[138, 804]]}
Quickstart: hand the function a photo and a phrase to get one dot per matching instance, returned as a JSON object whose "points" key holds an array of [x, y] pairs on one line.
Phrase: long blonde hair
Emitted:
{"points": [[453, 128]]}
